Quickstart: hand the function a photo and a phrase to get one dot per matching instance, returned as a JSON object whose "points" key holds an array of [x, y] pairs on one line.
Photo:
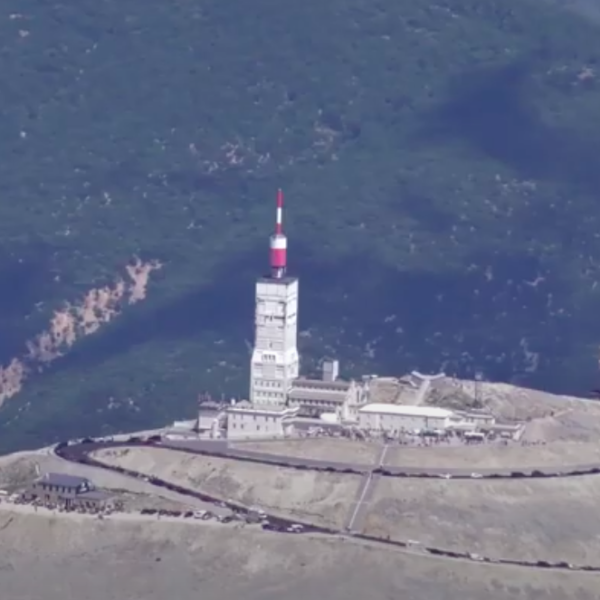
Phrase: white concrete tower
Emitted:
{"points": [[275, 361]]}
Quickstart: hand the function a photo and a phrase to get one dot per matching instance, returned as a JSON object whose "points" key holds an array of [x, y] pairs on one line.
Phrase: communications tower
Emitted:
{"points": [[275, 360]]}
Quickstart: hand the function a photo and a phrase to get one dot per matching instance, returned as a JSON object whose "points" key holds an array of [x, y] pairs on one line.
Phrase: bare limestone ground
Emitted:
{"points": [[56, 558], [332, 449], [20, 469], [510, 402], [323, 498], [549, 417], [559, 455], [17, 470], [538, 519], [133, 502]]}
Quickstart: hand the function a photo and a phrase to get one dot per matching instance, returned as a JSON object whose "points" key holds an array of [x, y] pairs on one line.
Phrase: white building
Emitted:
{"points": [[476, 418], [330, 370], [245, 421], [328, 395], [315, 396], [211, 418], [390, 418], [275, 360]]}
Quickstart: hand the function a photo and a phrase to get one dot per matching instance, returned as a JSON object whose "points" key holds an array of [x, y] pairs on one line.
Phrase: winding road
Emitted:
{"points": [[221, 448], [80, 453]]}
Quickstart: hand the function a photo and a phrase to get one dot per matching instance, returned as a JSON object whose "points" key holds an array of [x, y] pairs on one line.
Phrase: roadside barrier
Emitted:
{"points": [[80, 453]]}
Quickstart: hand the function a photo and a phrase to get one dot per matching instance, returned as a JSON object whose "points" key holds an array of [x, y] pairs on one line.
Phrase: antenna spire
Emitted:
{"points": [[278, 242]]}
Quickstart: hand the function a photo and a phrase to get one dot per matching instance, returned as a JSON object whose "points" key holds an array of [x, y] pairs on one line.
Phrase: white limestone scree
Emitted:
{"points": [[275, 360]]}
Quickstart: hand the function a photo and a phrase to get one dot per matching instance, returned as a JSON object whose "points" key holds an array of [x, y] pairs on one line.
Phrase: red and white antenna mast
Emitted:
{"points": [[278, 243]]}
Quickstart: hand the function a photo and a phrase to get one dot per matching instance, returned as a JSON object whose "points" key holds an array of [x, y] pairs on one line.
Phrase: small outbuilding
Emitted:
{"points": [[68, 490], [390, 418]]}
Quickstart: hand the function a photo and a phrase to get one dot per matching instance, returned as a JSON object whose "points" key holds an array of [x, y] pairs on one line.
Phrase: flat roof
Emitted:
{"points": [[212, 405], [62, 480], [475, 414], [269, 409], [335, 397], [408, 410], [320, 384], [285, 280], [210, 412]]}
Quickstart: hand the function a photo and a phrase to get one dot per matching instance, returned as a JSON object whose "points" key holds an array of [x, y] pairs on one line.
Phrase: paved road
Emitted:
{"points": [[422, 392], [220, 446], [75, 453]]}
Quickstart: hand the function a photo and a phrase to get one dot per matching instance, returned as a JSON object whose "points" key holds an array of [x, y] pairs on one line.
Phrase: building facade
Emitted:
{"points": [[314, 397], [247, 421], [211, 418], [397, 418], [476, 418], [69, 491], [275, 360]]}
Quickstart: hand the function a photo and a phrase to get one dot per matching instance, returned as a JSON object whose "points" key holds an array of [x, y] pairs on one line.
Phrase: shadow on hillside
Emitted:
{"points": [[462, 321], [492, 110]]}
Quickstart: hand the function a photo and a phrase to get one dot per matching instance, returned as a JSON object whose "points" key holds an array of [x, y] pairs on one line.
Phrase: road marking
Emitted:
{"points": [[382, 456], [366, 487]]}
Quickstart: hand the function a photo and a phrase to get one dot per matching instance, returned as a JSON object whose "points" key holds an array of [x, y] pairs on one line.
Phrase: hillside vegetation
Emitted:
{"points": [[440, 167]]}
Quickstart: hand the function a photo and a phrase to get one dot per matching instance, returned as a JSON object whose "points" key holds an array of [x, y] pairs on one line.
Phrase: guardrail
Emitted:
{"points": [[80, 454], [347, 468], [385, 471], [470, 556]]}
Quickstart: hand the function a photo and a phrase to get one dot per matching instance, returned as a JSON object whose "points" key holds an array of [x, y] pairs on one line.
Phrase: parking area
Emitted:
{"points": [[350, 445], [440, 455], [122, 510]]}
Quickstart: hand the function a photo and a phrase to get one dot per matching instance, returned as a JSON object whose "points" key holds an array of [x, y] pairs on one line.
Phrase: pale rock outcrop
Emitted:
{"points": [[76, 320]]}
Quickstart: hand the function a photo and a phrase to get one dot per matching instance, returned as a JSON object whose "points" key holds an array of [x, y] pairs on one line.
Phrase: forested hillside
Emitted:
{"points": [[440, 163]]}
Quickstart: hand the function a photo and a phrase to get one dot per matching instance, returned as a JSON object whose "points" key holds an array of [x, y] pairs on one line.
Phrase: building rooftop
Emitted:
{"points": [[206, 407], [282, 280], [319, 384], [246, 407], [62, 480], [337, 396], [408, 410], [473, 413], [241, 404]]}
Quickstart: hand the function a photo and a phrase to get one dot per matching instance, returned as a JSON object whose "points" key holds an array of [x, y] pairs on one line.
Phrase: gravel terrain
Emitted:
{"points": [[18, 470], [333, 449], [323, 498], [58, 558], [548, 519], [549, 417], [559, 455]]}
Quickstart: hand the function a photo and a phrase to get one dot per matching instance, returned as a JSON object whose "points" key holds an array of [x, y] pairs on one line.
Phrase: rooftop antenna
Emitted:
{"points": [[278, 242], [478, 380]]}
